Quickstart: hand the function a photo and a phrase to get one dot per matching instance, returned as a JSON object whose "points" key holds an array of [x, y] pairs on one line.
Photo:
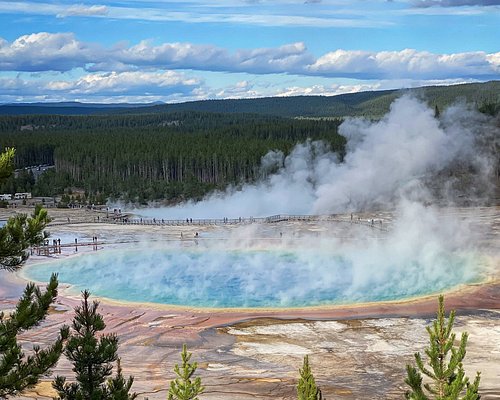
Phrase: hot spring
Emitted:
{"points": [[269, 278]]}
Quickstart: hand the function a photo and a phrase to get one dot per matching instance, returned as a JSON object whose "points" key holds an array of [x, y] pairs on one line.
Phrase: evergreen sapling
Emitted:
{"points": [[445, 370], [183, 388], [306, 388]]}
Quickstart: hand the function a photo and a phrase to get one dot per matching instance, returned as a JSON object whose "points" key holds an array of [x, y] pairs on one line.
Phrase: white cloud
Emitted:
{"points": [[129, 83], [46, 52], [166, 85], [322, 90], [288, 58], [191, 12], [455, 3], [408, 63], [81, 10], [242, 89], [63, 52]]}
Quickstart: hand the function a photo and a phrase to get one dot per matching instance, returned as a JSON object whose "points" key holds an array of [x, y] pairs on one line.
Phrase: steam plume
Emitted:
{"points": [[387, 160]]}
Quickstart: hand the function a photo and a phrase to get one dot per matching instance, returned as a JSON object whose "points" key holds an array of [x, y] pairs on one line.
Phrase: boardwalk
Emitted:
{"points": [[123, 220]]}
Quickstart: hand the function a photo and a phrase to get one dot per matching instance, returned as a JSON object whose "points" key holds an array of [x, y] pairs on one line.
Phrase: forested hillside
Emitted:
{"points": [[371, 104], [160, 156]]}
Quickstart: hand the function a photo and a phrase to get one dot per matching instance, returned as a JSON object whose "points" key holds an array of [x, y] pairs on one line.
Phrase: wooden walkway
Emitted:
{"points": [[122, 220]]}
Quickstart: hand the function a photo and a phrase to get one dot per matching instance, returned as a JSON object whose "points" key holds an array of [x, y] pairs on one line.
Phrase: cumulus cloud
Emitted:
{"points": [[407, 63], [129, 82], [286, 58], [322, 90], [242, 89], [82, 10], [47, 52], [62, 52], [454, 3], [148, 86]]}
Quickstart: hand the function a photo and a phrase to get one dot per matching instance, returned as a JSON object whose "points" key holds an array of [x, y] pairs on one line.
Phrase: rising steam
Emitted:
{"points": [[398, 157]]}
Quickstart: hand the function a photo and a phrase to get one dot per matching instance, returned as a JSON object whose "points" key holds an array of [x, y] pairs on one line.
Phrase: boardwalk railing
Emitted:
{"points": [[223, 221]]}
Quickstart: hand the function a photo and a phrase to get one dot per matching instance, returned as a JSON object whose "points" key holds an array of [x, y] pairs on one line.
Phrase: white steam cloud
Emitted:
{"points": [[385, 161]]}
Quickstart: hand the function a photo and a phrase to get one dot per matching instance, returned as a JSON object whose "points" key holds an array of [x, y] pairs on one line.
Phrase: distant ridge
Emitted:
{"points": [[88, 105], [69, 108], [369, 104]]}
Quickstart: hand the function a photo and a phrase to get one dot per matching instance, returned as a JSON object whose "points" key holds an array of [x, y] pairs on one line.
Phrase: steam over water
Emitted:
{"points": [[388, 165], [277, 278]]}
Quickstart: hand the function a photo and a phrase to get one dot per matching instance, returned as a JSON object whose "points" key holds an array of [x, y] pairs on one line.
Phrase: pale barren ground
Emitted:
{"points": [[357, 352]]}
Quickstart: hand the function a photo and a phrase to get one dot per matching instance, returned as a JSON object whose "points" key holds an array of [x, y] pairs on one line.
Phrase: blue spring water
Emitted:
{"points": [[271, 278]]}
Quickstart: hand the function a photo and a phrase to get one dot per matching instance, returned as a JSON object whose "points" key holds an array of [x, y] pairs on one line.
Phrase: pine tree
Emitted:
{"points": [[118, 387], [18, 372], [306, 388], [6, 163], [20, 232], [445, 361], [183, 388], [92, 359]]}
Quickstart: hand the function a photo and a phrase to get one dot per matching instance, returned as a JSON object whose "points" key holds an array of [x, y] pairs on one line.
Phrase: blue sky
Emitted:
{"points": [[161, 50]]}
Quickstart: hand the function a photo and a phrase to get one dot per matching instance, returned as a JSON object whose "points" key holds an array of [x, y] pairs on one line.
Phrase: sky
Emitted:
{"points": [[174, 51]]}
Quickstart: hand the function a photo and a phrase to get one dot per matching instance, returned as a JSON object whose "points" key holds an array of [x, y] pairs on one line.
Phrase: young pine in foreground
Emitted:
{"points": [[306, 388], [92, 357], [445, 370], [183, 388], [18, 372]]}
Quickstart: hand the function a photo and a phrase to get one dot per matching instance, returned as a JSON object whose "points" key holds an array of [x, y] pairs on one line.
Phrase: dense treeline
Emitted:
{"points": [[162, 156], [372, 104]]}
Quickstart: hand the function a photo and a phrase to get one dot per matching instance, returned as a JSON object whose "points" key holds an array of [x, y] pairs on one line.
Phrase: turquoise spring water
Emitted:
{"points": [[271, 278]]}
